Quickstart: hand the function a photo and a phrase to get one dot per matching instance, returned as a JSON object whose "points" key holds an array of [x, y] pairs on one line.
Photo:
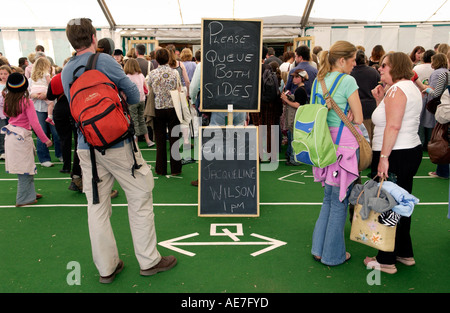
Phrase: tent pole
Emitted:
{"points": [[305, 17], [108, 15]]}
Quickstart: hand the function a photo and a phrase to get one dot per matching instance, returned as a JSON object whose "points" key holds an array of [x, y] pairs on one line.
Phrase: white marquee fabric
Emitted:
{"points": [[56, 13], [397, 24]]}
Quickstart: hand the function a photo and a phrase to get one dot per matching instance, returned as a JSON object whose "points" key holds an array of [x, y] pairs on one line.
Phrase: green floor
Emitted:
{"points": [[37, 243]]}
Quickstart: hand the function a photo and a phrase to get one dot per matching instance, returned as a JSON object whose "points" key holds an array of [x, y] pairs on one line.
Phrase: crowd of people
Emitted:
{"points": [[384, 93]]}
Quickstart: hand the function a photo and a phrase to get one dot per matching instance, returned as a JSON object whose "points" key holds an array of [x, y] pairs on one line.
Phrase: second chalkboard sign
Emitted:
{"points": [[229, 171], [231, 65]]}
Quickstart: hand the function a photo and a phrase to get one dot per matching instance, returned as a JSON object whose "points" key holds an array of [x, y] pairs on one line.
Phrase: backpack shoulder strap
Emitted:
{"points": [[91, 64], [313, 92], [336, 83], [92, 61]]}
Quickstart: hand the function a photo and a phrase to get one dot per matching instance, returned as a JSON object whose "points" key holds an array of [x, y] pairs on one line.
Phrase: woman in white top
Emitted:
{"points": [[396, 145]]}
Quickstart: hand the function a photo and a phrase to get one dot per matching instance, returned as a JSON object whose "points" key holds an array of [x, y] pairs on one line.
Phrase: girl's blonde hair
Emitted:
{"points": [[41, 67], [132, 67], [340, 49]]}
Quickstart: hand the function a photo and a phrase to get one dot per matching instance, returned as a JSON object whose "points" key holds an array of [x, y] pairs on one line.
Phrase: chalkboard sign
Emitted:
{"points": [[229, 171], [231, 65]]}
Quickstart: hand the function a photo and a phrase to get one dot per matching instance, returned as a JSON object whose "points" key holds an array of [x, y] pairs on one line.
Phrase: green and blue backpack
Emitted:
{"points": [[312, 143]]}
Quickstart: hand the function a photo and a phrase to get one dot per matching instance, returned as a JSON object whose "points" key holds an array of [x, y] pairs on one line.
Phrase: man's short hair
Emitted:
{"points": [[79, 32], [140, 49], [304, 52]]}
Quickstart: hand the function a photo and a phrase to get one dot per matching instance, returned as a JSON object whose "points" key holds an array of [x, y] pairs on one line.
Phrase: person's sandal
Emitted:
{"points": [[407, 261], [318, 258], [347, 256], [371, 262]]}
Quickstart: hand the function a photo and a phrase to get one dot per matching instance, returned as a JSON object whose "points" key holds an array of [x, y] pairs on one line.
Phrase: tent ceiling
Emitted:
{"points": [[151, 13]]}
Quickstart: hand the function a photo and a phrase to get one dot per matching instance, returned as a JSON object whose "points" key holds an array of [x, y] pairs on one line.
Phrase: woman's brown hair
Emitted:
{"points": [[400, 64], [439, 60]]}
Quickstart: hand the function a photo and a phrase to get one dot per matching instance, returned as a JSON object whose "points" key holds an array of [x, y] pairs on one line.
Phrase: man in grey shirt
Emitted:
{"points": [[114, 164], [143, 63]]}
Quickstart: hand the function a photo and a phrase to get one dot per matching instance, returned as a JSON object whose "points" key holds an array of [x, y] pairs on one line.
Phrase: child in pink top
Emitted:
{"points": [[5, 71], [19, 144]]}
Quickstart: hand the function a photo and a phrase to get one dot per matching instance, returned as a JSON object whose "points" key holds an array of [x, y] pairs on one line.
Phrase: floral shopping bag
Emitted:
{"points": [[369, 231]]}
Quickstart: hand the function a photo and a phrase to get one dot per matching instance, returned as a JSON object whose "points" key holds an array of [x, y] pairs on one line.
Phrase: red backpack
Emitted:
{"points": [[100, 113], [97, 108]]}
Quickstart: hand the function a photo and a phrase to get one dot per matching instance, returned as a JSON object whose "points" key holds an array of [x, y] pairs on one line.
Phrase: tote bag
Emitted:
{"points": [[181, 105], [369, 231]]}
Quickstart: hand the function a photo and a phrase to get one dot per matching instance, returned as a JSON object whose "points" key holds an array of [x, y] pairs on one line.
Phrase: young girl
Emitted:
{"points": [[133, 71], [19, 146], [40, 78], [5, 71]]}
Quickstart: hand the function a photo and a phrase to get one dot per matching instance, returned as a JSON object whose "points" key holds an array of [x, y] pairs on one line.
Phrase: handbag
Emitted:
{"points": [[438, 146], [369, 231], [365, 150]]}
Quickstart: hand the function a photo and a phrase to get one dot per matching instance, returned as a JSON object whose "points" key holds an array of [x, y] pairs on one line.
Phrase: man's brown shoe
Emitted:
{"points": [[166, 263], [109, 279]]}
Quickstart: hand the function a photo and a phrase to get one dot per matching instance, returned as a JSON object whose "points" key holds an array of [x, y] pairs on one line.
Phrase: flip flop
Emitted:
{"points": [[371, 262]]}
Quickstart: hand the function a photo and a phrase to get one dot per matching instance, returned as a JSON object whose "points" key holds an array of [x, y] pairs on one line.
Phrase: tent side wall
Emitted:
{"points": [[393, 37], [16, 43]]}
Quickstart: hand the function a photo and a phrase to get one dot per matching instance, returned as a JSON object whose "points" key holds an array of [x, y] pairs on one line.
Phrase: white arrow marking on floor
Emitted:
{"points": [[301, 172], [172, 243]]}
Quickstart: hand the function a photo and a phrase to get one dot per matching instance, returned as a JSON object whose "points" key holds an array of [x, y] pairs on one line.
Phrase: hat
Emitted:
{"points": [[301, 73], [118, 52], [106, 45], [16, 83]]}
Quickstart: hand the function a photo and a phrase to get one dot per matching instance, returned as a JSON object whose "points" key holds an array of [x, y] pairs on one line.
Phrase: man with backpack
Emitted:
{"points": [[121, 161]]}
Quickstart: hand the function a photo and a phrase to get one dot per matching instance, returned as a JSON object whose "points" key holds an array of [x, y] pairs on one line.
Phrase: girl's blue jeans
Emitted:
{"points": [[328, 237]]}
